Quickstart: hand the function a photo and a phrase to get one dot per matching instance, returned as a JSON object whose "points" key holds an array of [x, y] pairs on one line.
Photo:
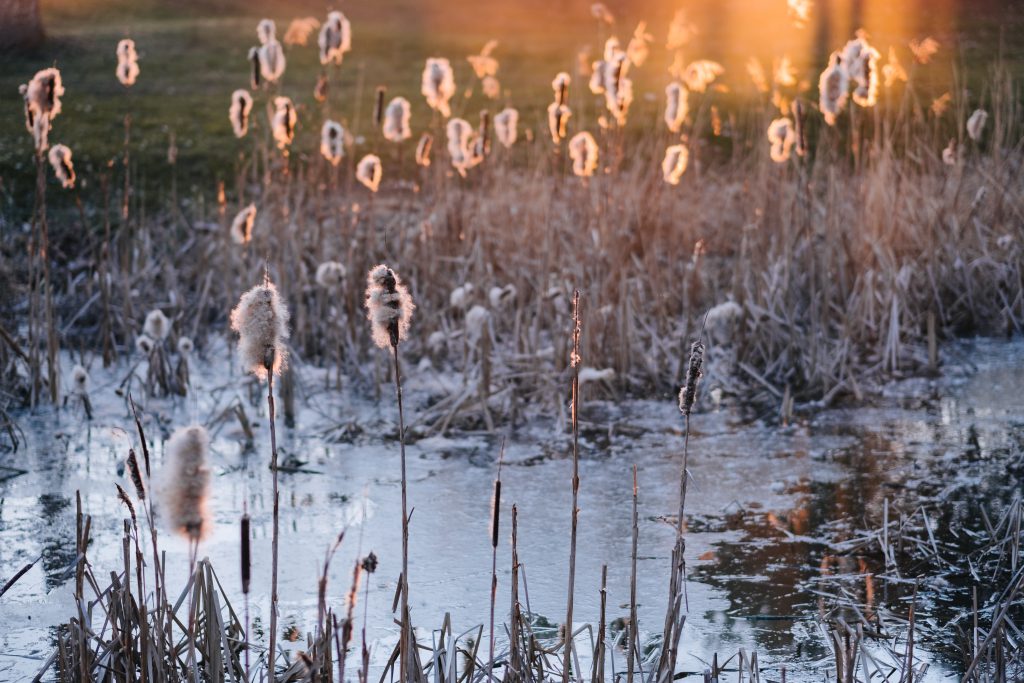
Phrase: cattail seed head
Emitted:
{"points": [[60, 160], [127, 503], [335, 38], [266, 31], [283, 122], [42, 94], [241, 226], [255, 70], [136, 475], [127, 73], [370, 563], [491, 87], [238, 113], [674, 165], [781, 135], [558, 121], [396, 120], [80, 380], [261, 321], [144, 344], [583, 150], [976, 124], [389, 307], [495, 512], [702, 73], [187, 481], [506, 124], [462, 147], [369, 172], [271, 61], [676, 105], [833, 86], [438, 84], [423, 149], [332, 142], [688, 394], [246, 558], [185, 346], [378, 105], [157, 325], [330, 274]]}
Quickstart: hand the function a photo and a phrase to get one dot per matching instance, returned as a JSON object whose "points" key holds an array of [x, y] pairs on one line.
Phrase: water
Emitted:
{"points": [[768, 508]]}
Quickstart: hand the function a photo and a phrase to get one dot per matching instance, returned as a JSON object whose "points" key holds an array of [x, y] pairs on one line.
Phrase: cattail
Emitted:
{"points": [[369, 563], [583, 150], [126, 51], [423, 149], [638, 48], [127, 73], [378, 105], [674, 165], [396, 120], [600, 11], [60, 160], [438, 84], [893, 70], [700, 74], [388, 306], [491, 87], [484, 64], [330, 274], [461, 147], [254, 68], [799, 11], [187, 481], [272, 61], [500, 296], [482, 146], [299, 30], [369, 172], [261, 321], [688, 394], [757, 75], [558, 121], [800, 127], [949, 154], [127, 503], [136, 475], [283, 122], [976, 124], [246, 559], [144, 344], [861, 61], [42, 94], [335, 38], [266, 31], [781, 136], [332, 142], [832, 87], [478, 319], [157, 325], [560, 85], [506, 125], [597, 76], [495, 512], [618, 89], [924, 50], [238, 113], [185, 346], [460, 296], [80, 380], [680, 31], [676, 106], [241, 226]]}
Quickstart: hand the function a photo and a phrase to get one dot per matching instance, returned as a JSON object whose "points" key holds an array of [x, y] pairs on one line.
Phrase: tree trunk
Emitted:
{"points": [[20, 24]]}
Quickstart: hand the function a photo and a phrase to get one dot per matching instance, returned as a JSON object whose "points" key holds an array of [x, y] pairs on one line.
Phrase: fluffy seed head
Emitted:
{"points": [[42, 94], [484, 64], [185, 346], [283, 123], [144, 344], [832, 87], [369, 172], [583, 150], [423, 149], [462, 146], [677, 105], [300, 29], [506, 124], [238, 113], [79, 380], [949, 154], [639, 45], [157, 326], [332, 142], [261, 321], [976, 124], [560, 85], [266, 31], [700, 74], [60, 160], [674, 164], [438, 84], [330, 274], [558, 121], [241, 227], [396, 120], [271, 61], [781, 135], [389, 307], [187, 482], [126, 51], [127, 72], [861, 62], [688, 394], [335, 38]]}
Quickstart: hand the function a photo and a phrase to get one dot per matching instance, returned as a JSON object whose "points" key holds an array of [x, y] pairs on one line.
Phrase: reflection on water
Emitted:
{"points": [[772, 513]]}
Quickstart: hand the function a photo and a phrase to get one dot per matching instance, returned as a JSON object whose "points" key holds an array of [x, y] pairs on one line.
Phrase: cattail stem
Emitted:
{"points": [[272, 657], [495, 521], [632, 652], [566, 657], [404, 641]]}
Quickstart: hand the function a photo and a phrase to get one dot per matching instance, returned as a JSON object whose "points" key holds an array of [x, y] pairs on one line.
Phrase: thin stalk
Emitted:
{"points": [[575, 361], [631, 649], [274, 543], [404, 640]]}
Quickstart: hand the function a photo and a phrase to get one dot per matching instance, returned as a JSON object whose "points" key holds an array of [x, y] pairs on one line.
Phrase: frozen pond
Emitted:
{"points": [[768, 505]]}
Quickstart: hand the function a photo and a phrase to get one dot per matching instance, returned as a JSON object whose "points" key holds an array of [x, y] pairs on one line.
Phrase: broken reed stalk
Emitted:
{"points": [[575, 363], [268, 364], [495, 521], [631, 649]]}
